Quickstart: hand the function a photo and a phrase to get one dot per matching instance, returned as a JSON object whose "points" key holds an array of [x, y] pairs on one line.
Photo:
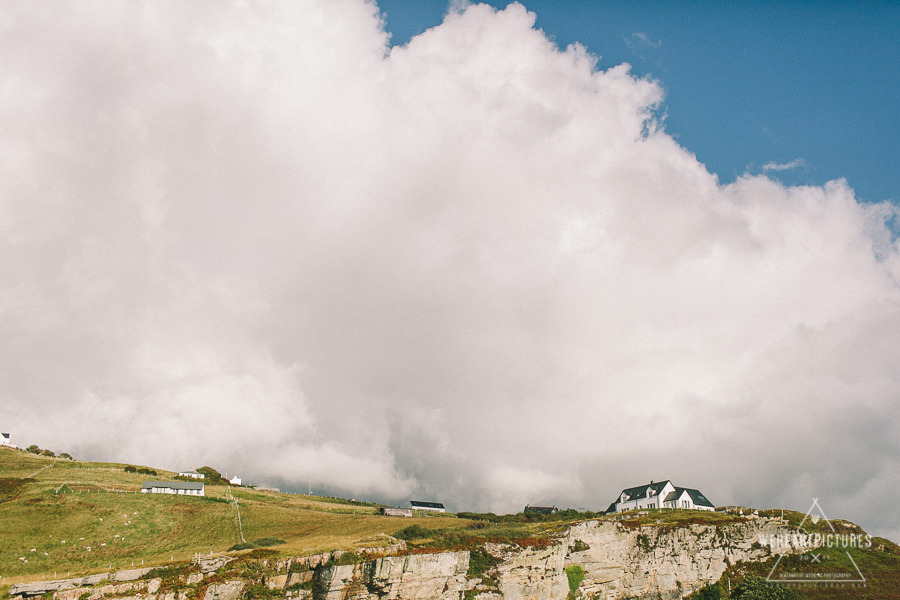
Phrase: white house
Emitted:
{"points": [[4, 440], [193, 474], [187, 488], [235, 480], [396, 512], [660, 495], [429, 506]]}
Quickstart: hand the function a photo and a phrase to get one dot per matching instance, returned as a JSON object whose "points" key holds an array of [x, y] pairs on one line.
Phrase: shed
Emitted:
{"points": [[396, 512], [187, 488]]}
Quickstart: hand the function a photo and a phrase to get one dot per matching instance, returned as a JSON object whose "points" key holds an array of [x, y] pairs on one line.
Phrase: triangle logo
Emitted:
{"points": [[816, 566]]}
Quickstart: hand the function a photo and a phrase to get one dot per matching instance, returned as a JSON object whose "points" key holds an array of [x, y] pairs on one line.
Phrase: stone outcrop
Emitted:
{"points": [[643, 562], [232, 590], [39, 588], [439, 576], [618, 559]]}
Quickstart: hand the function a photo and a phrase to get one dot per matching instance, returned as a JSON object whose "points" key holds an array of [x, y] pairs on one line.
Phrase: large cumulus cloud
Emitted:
{"points": [[474, 268]]}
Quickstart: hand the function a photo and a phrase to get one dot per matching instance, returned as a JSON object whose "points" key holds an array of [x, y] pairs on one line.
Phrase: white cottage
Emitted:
{"points": [[660, 495], [184, 488], [192, 474], [4, 440], [427, 506]]}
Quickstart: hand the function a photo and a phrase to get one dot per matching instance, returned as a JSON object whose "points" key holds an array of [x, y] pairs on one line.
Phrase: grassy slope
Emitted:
{"points": [[42, 505], [69, 501]]}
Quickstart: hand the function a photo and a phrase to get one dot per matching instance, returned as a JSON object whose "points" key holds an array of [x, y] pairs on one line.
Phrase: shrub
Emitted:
{"points": [[575, 575], [480, 561], [414, 532], [265, 542], [580, 546], [34, 449], [66, 455], [710, 592], [478, 516], [241, 546], [213, 477], [130, 469], [757, 588]]}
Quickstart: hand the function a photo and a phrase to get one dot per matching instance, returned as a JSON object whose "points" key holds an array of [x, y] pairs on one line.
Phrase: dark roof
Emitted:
{"points": [[640, 491], [611, 508], [175, 485], [696, 497], [541, 510], [418, 504]]}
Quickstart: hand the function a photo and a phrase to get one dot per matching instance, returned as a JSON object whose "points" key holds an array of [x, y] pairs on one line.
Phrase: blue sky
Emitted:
{"points": [[747, 83]]}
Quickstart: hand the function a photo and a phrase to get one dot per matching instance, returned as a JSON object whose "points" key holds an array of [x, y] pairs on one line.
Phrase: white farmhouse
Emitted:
{"points": [[235, 480], [4, 440], [660, 495], [427, 506], [193, 474], [186, 488]]}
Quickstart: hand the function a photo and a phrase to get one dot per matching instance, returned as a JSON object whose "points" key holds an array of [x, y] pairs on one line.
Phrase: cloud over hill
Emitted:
{"points": [[474, 268]]}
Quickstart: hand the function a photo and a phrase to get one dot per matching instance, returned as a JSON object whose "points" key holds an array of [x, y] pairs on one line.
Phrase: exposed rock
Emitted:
{"points": [[440, 576], [129, 574], [39, 588], [299, 577], [231, 590], [661, 561]]}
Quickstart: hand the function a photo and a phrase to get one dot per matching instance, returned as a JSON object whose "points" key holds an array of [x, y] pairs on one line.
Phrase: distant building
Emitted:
{"points": [[396, 512], [187, 488], [660, 495], [4, 440], [235, 480], [540, 510], [429, 506], [193, 474]]}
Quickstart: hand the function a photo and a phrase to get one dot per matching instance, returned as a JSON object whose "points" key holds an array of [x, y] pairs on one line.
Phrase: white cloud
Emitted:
{"points": [[259, 238], [774, 166], [639, 39]]}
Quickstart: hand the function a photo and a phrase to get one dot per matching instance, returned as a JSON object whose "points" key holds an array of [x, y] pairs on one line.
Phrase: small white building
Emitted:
{"points": [[193, 474], [429, 506], [186, 488], [4, 440], [235, 480], [660, 495], [396, 512]]}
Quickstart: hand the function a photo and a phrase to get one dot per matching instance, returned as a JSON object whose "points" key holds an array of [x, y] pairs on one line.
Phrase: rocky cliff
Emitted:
{"points": [[606, 560]]}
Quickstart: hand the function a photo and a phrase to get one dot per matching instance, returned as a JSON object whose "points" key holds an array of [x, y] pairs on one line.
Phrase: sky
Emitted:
{"points": [[472, 262]]}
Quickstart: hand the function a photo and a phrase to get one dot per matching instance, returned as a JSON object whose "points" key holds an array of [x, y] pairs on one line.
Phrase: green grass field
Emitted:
{"points": [[61, 518], [76, 517]]}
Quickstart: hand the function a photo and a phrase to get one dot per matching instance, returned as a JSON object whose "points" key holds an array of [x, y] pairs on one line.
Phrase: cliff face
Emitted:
{"points": [[647, 562], [616, 562], [439, 576]]}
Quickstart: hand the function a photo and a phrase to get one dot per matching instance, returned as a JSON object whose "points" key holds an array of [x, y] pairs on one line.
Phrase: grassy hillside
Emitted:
{"points": [[61, 516]]}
